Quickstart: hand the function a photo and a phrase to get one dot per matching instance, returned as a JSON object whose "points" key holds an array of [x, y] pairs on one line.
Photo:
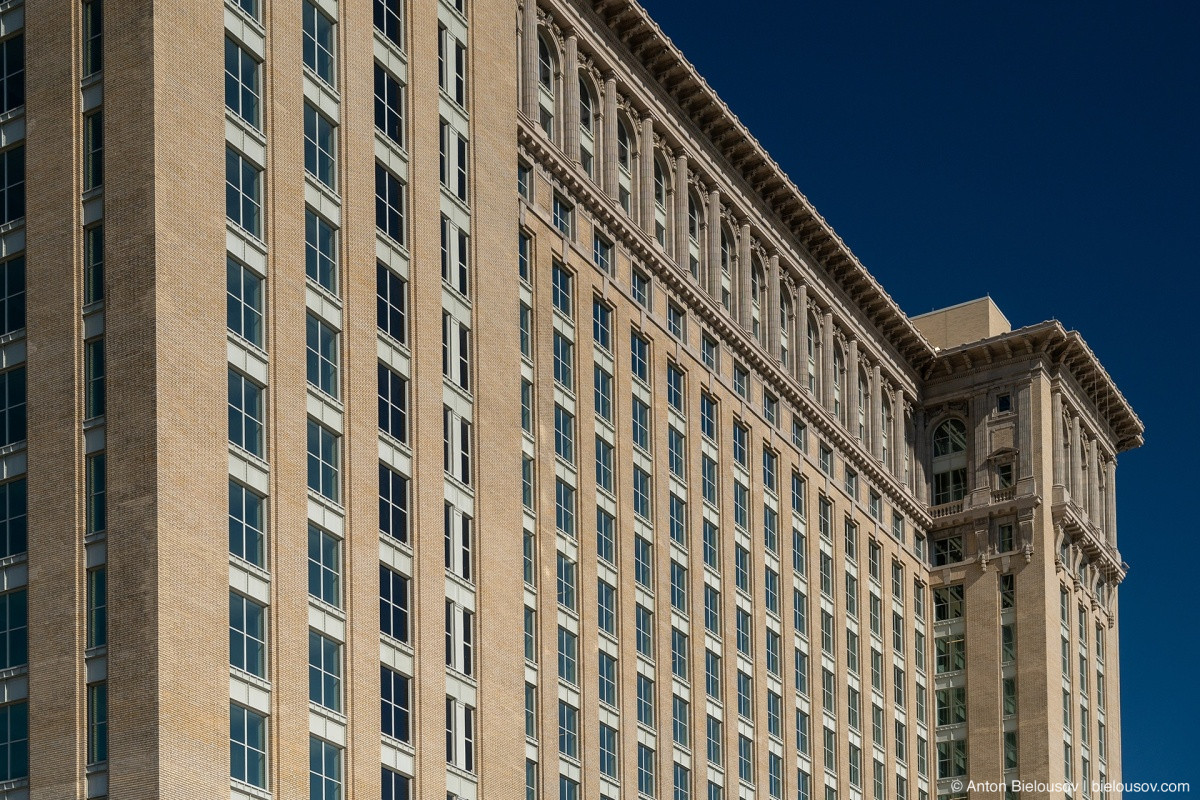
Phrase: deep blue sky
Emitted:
{"points": [[1045, 154]]}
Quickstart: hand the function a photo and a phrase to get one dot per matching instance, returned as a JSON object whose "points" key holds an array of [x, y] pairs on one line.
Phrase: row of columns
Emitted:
{"points": [[1094, 488]]}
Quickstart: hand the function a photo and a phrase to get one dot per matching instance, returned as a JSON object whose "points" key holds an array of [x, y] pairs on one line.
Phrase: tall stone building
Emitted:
{"points": [[287, 513]]}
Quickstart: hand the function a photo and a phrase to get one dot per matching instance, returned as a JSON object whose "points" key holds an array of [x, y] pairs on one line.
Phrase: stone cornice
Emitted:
{"points": [[1061, 348]]}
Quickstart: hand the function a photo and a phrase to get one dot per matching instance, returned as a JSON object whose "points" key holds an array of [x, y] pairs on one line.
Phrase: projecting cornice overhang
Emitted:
{"points": [[676, 75], [1063, 349]]}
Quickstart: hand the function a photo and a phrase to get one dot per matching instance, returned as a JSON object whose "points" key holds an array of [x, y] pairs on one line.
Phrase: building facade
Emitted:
{"points": [[856, 554]]}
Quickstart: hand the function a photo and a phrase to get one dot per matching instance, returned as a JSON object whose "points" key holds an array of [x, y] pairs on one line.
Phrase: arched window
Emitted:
{"points": [[814, 353], [885, 429], [661, 187], [785, 316], [864, 405], [949, 462], [758, 289], [694, 207], [587, 127], [1068, 478], [726, 269], [839, 381], [625, 150], [547, 84]]}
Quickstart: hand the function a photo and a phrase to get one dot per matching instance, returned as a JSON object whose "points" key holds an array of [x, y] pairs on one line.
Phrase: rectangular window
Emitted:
{"points": [[390, 303], [568, 729], [564, 361], [93, 32], [606, 545], [604, 464], [393, 604], [93, 365], [564, 507], [639, 357], [642, 561], [389, 204], [393, 503], [246, 414], [389, 20], [321, 356], [324, 770], [564, 216], [93, 150], [607, 680], [244, 299], [12, 294], [247, 635], [608, 751], [606, 607], [320, 147], [602, 394], [394, 704], [243, 191], [393, 404], [677, 322], [324, 566], [14, 523], [243, 91], [323, 461], [643, 623], [645, 700], [247, 746], [324, 671], [641, 286], [14, 629], [602, 252], [389, 103], [568, 656], [642, 505], [12, 73], [318, 42]]}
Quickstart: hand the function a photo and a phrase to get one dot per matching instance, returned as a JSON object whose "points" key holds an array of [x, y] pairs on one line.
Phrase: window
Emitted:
{"points": [[93, 366], [564, 216], [320, 146], [564, 507], [394, 785], [679, 586], [745, 695], [322, 356], [947, 603], [389, 100], [323, 461], [645, 700], [608, 751], [604, 464], [393, 404], [675, 388], [324, 770], [242, 88], [14, 629], [388, 16], [453, 161], [709, 544], [708, 416], [952, 758], [640, 416], [243, 191], [568, 729], [246, 414], [950, 653], [14, 523], [12, 73], [642, 505], [394, 704], [524, 181], [639, 357], [246, 537], [826, 460], [680, 726], [324, 671], [564, 361], [318, 42], [606, 607], [771, 408], [456, 446], [745, 759], [530, 634], [247, 635], [244, 302], [712, 609], [607, 679], [714, 739], [93, 29], [679, 654], [568, 656], [324, 566], [677, 523], [456, 351], [393, 604], [12, 293], [641, 287], [643, 622], [247, 746], [389, 204], [393, 503], [455, 85], [712, 674], [561, 282], [949, 462], [390, 303], [645, 771], [741, 381], [605, 536], [677, 322], [566, 582]]}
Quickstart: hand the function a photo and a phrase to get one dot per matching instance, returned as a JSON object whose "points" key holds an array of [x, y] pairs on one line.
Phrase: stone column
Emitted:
{"points": [[1110, 500], [681, 212], [827, 360], [1076, 487], [850, 388], [529, 59], [898, 432], [773, 321], [714, 245], [646, 181], [1056, 411], [1093, 487], [608, 145], [920, 485], [875, 426], [743, 277], [570, 84]]}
